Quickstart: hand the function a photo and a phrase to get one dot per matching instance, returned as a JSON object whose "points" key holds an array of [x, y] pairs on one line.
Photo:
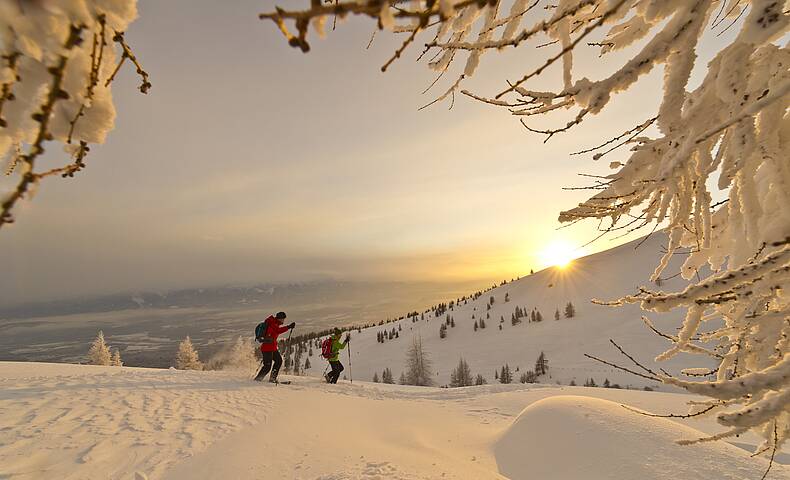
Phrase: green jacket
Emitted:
{"points": [[337, 345]]}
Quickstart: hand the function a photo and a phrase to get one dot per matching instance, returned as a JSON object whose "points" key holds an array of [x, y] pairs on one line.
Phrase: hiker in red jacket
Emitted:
{"points": [[267, 333]]}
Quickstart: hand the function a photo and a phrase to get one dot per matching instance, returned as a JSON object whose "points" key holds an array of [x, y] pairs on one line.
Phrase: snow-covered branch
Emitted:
{"points": [[733, 127], [57, 62]]}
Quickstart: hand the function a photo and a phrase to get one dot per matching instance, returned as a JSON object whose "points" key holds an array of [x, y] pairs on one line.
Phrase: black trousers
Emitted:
{"points": [[270, 358], [337, 368]]}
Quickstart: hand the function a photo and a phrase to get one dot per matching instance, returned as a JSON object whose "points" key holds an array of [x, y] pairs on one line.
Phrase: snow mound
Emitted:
{"points": [[573, 437]]}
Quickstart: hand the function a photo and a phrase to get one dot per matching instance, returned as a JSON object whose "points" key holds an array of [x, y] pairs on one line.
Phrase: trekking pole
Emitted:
{"points": [[350, 376], [288, 344]]}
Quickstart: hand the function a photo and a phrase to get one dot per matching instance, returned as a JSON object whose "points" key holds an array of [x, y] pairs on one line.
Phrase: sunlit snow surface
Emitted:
{"points": [[72, 421]]}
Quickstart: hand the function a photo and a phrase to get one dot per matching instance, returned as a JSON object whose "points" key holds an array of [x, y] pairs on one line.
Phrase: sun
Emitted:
{"points": [[558, 254]]}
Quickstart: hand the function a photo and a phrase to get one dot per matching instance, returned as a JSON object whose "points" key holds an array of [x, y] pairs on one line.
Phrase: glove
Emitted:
{"points": [[292, 325]]}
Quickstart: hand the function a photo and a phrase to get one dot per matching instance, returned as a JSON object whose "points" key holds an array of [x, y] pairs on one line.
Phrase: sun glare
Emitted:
{"points": [[558, 254]]}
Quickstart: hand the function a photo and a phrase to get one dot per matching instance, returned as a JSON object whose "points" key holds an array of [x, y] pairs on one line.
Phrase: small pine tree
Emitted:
{"points": [[557, 314], [452, 322], [507, 297], [532, 317], [479, 380], [606, 383], [443, 330], [573, 383], [307, 364], [376, 377], [538, 316], [496, 375], [116, 359], [528, 377], [475, 325], [482, 323], [541, 365], [570, 310], [462, 375], [402, 379], [386, 376], [505, 376], [187, 357], [99, 353]]}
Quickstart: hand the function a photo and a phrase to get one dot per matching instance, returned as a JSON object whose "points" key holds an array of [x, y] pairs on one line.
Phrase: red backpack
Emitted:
{"points": [[326, 348]]}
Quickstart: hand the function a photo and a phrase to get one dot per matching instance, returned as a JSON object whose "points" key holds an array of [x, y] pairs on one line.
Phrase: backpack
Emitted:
{"points": [[326, 348], [260, 332]]}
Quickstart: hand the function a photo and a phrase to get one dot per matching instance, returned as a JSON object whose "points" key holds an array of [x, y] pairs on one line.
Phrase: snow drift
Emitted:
{"points": [[573, 437]]}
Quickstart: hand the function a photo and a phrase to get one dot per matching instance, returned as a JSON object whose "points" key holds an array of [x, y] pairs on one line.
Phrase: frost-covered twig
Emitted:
{"points": [[54, 85]]}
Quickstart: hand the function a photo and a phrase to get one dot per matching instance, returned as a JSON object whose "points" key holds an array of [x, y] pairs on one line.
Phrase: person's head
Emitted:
{"points": [[280, 316], [336, 332]]}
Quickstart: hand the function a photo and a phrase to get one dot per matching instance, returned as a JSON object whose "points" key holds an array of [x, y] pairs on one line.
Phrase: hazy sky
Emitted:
{"points": [[250, 161]]}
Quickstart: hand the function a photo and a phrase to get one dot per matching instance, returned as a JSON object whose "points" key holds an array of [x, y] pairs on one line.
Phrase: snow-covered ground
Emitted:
{"points": [[606, 275], [76, 422]]}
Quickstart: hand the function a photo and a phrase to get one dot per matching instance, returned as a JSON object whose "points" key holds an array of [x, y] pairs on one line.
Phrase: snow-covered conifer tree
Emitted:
{"points": [[375, 377], [418, 366], [99, 353], [187, 357], [116, 359], [730, 126]]}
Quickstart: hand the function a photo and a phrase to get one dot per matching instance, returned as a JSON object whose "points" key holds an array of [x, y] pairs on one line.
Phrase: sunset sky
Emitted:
{"points": [[249, 161]]}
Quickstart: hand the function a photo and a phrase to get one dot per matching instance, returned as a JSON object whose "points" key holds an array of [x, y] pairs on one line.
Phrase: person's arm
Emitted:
{"points": [[284, 328]]}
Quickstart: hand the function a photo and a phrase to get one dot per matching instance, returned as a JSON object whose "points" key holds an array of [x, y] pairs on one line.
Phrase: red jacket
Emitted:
{"points": [[274, 327]]}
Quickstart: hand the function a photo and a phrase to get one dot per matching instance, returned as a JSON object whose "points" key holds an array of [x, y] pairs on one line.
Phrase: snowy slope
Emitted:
{"points": [[605, 275], [82, 422]]}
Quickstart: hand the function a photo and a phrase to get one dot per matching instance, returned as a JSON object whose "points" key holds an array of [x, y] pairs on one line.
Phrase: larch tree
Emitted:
{"points": [[187, 357], [419, 369], [731, 127], [99, 353]]}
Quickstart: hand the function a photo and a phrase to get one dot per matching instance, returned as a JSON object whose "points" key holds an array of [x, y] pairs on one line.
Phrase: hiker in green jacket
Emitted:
{"points": [[337, 345]]}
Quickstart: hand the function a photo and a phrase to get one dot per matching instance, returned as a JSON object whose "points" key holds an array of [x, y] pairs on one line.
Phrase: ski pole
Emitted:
{"points": [[288, 343], [350, 376]]}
